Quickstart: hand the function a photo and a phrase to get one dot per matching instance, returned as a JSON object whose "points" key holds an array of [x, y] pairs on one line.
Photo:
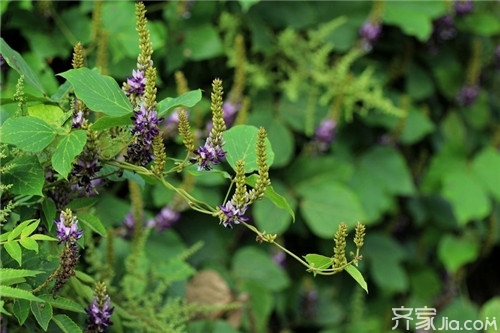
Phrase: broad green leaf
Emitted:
{"points": [[417, 126], [419, 83], [28, 133], [14, 250], [454, 252], [42, 313], [483, 24], [10, 292], [27, 176], [66, 324], [81, 203], [67, 149], [21, 309], [486, 167], [99, 92], [356, 275], [328, 203], [318, 261], [412, 17], [202, 42], [93, 223], [247, 4], [240, 144], [188, 99], [490, 310], [8, 275], [253, 264], [51, 114], [109, 122], [468, 199], [29, 244], [63, 303], [261, 303], [17, 62], [29, 228], [278, 200]]}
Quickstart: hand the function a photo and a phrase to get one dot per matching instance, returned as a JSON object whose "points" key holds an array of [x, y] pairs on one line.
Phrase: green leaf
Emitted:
{"points": [[10, 292], [240, 144], [109, 122], [67, 149], [490, 310], [27, 176], [413, 18], [10, 275], [99, 92], [252, 264], [17, 62], [356, 275], [482, 23], [454, 252], [43, 237], [202, 42], [326, 203], [28, 133], [93, 223], [247, 4], [29, 228], [49, 212], [318, 261], [29, 244], [278, 200], [63, 303], [14, 250], [419, 83], [42, 313], [51, 114], [21, 309], [467, 197], [416, 127], [261, 304], [188, 99], [66, 324], [19, 229], [486, 166]]}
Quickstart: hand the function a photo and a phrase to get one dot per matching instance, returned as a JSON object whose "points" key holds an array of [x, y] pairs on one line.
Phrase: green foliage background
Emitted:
{"points": [[421, 171]]}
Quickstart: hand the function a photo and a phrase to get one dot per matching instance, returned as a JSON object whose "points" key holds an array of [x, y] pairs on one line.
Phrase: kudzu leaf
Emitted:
{"points": [[51, 114], [26, 176], [66, 324], [10, 292], [109, 122], [14, 250], [14, 60], [318, 261], [28, 133], [240, 144], [188, 99], [67, 149], [42, 313], [99, 92], [356, 275], [93, 223], [21, 309], [454, 252]]}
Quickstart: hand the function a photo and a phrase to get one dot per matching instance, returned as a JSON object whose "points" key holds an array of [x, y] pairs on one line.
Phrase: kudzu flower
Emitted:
{"points": [[165, 219], [325, 134], [467, 95], [67, 227], [369, 33], [463, 7], [85, 172], [99, 311], [145, 129], [230, 109], [444, 28], [233, 213], [209, 154], [78, 120], [136, 84]]}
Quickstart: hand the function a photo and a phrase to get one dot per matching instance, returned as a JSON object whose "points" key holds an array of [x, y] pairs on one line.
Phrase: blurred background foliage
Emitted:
{"points": [[414, 156]]}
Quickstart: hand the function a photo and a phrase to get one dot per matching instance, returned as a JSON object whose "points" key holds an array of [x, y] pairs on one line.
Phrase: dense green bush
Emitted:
{"points": [[384, 113]]}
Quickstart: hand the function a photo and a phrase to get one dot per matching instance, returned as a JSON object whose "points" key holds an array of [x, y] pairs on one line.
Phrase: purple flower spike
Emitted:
{"points": [[325, 133], [145, 129], [209, 155], [229, 109], [233, 213], [67, 227], [467, 95], [99, 317], [463, 7], [165, 219], [444, 28], [137, 83], [369, 33]]}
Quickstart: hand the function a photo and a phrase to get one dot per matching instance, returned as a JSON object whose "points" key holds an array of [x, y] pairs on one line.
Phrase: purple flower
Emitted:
{"points": [[444, 28], [78, 120], [67, 227], [467, 95], [233, 214], [145, 129], [229, 109], [325, 133], [369, 33], [136, 84], [209, 155], [463, 7], [99, 316], [86, 172], [165, 219]]}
